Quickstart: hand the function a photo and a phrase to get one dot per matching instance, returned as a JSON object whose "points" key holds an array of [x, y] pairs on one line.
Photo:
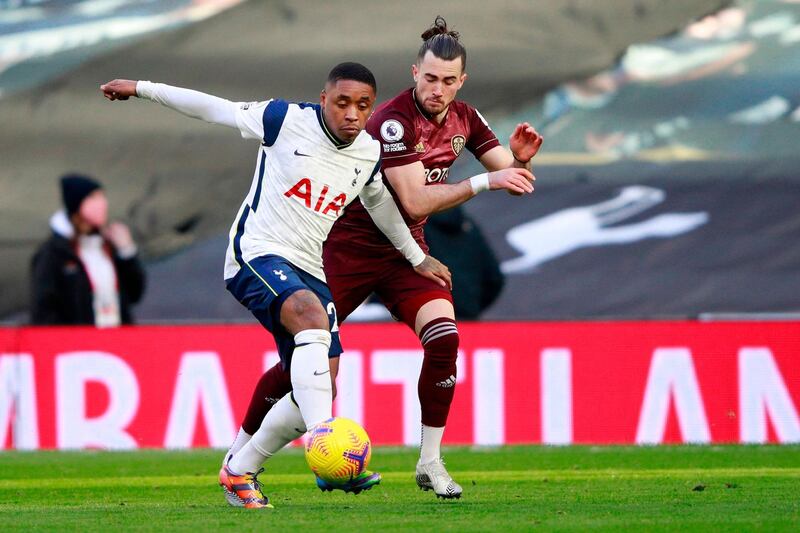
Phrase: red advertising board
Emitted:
{"points": [[555, 383]]}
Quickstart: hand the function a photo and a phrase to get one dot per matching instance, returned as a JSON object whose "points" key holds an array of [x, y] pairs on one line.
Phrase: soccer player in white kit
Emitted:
{"points": [[313, 161]]}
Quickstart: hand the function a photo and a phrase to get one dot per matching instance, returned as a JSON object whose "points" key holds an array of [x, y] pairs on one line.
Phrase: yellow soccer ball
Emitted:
{"points": [[338, 450]]}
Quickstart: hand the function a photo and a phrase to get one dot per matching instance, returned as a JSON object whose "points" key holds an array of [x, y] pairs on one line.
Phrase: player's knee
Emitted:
{"points": [[303, 310], [440, 341], [442, 351]]}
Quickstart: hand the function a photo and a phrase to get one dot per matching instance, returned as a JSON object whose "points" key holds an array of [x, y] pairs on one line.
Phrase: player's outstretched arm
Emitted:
{"points": [[420, 200], [191, 103]]}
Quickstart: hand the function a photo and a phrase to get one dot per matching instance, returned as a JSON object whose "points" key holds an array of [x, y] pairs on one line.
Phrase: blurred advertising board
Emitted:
{"points": [[550, 383]]}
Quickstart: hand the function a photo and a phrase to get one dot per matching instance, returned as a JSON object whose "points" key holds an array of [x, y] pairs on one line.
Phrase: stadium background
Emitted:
{"points": [[667, 196]]}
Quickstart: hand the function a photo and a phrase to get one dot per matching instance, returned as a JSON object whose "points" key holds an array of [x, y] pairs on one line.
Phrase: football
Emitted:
{"points": [[338, 450]]}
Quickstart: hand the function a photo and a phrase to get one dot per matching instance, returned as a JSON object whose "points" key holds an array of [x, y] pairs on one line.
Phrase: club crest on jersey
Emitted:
{"points": [[358, 172], [302, 191], [419, 147], [457, 142], [391, 131]]}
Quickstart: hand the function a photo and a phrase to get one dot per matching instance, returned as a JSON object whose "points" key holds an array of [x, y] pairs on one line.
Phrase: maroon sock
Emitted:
{"points": [[273, 385], [437, 381]]}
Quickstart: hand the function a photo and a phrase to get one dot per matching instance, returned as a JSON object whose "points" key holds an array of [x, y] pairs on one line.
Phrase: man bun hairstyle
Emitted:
{"points": [[353, 71], [443, 43]]}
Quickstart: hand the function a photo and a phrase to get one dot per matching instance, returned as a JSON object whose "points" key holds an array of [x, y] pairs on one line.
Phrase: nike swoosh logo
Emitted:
{"points": [[301, 154], [321, 373]]}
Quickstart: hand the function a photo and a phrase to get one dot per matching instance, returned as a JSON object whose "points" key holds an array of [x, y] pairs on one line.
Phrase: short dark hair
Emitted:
{"points": [[443, 43], [353, 71]]}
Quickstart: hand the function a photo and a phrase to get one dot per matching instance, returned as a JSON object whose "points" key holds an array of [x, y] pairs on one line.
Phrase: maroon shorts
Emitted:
{"points": [[353, 274]]}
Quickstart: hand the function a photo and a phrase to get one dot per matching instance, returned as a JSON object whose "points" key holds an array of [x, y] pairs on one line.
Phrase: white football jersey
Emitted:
{"points": [[304, 178]]}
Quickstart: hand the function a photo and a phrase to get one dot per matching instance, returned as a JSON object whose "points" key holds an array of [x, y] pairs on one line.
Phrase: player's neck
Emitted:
{"points": [[339, 143]]}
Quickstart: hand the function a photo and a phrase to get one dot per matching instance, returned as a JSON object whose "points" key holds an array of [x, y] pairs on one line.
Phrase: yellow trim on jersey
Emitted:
{"points": [[253, 270]]}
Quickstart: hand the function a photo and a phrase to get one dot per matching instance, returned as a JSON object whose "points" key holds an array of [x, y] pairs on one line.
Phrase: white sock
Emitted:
{"points": [[431, 444], [281, 426], [311, 377], [241, 439]]}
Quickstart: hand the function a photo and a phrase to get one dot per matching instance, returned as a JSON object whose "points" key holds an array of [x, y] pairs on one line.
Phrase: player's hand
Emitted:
{"points": [[119, 89], [516, 181], [435, 270], [525, 142]]}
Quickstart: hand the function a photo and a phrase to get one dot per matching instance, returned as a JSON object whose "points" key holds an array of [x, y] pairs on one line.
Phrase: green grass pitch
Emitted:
{"points": [[521, 488]]}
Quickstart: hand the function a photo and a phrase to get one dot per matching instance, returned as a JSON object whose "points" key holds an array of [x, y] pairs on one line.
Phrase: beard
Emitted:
{"points": [[435, 107]]}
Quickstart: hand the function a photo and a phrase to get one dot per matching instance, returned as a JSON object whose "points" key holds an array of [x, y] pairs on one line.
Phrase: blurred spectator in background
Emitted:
{"points": [[457, 241], [88, 271]]}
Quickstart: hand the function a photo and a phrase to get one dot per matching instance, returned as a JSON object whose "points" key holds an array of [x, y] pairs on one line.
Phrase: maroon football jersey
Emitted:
{"points": [[407, 134]]}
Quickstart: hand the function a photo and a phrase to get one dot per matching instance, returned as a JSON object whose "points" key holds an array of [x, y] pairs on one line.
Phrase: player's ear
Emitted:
{"points": [[322, 97], [414, 72]]}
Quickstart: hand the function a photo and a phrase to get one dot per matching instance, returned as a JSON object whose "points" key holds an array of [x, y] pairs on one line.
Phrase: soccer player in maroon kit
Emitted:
{"points": [[422, 131]]}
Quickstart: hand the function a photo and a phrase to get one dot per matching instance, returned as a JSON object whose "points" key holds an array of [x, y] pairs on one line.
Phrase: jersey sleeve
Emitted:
{"points": [[375, 175], [248, 119], [481, 137], [380, 205], [261, 120], [396, 134], [195, 104]]}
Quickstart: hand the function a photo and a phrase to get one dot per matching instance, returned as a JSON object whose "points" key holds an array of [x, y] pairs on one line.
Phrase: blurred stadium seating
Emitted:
{"points": [[667, 186]]}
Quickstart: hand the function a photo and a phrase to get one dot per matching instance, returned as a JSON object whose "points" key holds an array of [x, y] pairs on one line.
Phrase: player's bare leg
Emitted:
{"points": [[436, 327]]}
